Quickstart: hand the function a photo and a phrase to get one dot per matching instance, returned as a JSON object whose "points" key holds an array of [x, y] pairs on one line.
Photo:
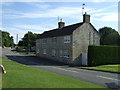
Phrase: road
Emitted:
{"points": [[105, 79]]}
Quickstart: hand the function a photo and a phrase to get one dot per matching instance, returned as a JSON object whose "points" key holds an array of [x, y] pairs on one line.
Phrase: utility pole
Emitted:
{"points": [[16, 39]]}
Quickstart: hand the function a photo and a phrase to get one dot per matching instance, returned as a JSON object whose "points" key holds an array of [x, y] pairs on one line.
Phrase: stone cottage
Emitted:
{"points": [[68, 44]]}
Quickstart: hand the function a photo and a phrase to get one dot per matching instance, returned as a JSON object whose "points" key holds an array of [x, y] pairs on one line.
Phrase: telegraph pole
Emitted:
{"points": [[16, 39]]}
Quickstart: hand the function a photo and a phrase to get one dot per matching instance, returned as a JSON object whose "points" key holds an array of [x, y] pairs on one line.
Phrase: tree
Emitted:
{"points": [[109, 36], [20, 43], [7, 40], [28, 40]]}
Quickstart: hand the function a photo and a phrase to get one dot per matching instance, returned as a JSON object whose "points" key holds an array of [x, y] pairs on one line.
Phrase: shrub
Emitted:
{"points": [[21, 48], [98, 55]]}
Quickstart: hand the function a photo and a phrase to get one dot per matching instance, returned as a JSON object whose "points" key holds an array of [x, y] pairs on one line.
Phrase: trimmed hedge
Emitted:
{"points": [[100, 55]]}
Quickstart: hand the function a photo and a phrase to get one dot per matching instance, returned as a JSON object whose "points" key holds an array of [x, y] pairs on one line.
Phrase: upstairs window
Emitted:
{"points": [[66, 54], [44, 41], [44, 51], [54, 40], [66, 39], [53, 52], [93, 38], [90, 38]]}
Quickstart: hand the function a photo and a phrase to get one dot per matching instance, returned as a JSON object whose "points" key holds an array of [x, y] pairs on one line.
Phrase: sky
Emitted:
{"points": [[37, 16]]}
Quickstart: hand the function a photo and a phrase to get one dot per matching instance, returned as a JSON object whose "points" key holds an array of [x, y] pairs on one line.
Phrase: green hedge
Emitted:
{"points": [[21, 48], [99, 55]]}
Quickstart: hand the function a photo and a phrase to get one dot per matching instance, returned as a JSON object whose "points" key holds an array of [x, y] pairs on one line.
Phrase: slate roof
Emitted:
{"points": [[66, 30]]}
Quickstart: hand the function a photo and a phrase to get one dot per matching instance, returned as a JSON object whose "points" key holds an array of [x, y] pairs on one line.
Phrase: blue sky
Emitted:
{"points": [[21, 17]]}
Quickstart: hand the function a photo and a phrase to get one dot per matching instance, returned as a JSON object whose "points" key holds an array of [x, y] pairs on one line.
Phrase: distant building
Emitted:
{"points": [[68, 44]]}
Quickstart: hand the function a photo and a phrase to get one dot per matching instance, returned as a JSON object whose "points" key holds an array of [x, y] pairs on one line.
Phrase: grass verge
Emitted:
{"points": [[113, 68], [22, 76]]}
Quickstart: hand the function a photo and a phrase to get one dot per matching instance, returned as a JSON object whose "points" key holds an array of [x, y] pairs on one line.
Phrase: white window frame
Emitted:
{"points": [[66, 54], [67, 39], [44, 51]]}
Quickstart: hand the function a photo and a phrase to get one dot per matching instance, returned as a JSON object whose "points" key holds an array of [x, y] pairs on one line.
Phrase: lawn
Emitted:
{"points": [[22, 76], [113, 68]]}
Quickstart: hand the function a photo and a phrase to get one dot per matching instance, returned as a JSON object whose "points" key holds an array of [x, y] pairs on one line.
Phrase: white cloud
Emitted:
{"points": [[39, 5], [60, 11], [22, 29], [31, 27], [103, 9], [107, 17], [14, 31]]}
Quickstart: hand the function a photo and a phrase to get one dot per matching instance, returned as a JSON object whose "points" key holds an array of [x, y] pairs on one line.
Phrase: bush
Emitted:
{"points": [[99, 55], [21, 48]]}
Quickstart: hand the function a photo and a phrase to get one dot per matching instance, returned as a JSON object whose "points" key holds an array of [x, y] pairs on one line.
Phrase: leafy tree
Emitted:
{"points": [[28, 40], [109, 36], [20, 43], [7, 40]]}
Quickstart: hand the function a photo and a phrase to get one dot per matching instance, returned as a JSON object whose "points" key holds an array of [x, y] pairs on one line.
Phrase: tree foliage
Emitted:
{"points": [[28, 40], [109, 36], [7, 40]]}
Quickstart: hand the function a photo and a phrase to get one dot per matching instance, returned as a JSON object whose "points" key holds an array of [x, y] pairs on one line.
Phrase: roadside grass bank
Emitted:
{"points": [[22, 76], [113, 68]]}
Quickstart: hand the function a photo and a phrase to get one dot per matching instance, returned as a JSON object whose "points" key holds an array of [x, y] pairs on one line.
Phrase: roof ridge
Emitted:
{"points": [[66, 30]]}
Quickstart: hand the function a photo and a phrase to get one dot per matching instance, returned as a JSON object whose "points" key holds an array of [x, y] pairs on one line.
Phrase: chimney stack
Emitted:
{"points": [[61, 24], [86, 18]]}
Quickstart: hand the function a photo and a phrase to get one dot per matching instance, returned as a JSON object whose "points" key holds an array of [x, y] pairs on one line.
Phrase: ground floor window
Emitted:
{"points": [[53, 52], [37, 51], [44, 51], [66, 54], [61, 53]]}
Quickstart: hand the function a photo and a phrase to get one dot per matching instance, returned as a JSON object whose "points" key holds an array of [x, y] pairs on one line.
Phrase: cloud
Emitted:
{"points": [[14, 31], [39, 5], [103, 9], [60, 11], [21, 30], [34, 28], [106, 17]]}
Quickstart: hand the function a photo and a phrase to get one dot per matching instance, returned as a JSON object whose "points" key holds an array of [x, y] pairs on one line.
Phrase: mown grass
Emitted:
{"points": [[114, 68], [22, 76]]}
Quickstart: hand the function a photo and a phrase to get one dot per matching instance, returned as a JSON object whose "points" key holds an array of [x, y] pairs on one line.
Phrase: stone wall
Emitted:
{"points": [[57, 46], [82, 38]]}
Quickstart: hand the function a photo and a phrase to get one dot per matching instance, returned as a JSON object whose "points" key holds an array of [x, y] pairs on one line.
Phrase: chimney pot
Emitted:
{"points": [[61, 24]]}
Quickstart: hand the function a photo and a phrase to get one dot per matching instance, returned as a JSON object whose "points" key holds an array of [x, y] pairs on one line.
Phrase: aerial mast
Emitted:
{"points": [[83, 8]]}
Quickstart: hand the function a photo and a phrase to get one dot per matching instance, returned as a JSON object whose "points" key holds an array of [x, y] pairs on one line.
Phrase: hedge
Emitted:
{"points": [[100, 55]]}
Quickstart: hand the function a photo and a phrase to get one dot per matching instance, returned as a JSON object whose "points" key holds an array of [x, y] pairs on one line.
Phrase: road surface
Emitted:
{"points": [[105, 79]]}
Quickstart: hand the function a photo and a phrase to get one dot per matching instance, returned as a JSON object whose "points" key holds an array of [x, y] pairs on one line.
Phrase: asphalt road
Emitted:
{"points": [[105, 79]]}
